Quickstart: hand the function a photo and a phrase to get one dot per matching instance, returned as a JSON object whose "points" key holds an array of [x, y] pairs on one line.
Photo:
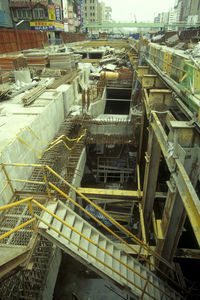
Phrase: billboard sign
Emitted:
{"points": [[47, 26], [51, 11], [58, 14]]}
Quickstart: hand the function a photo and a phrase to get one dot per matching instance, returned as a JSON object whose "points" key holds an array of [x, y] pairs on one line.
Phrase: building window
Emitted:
{"points": [[24, 13], [14, 13], [85, 14], [41, 12], [93, 14], [29, 13], [90, 14], [19, 13], [36, 14]]}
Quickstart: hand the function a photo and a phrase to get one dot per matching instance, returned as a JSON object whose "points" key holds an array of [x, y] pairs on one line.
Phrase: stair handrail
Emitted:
{"points": [[147, 280], [114, 234], [35, 217], [138, 241]]}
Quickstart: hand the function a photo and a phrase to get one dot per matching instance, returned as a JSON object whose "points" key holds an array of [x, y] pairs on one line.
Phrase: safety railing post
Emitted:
{"points": [[8, 179], [32, 214], [46, 182]]}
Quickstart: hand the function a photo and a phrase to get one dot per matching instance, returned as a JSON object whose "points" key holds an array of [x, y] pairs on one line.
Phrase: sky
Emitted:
{"points": [[144, 10]]}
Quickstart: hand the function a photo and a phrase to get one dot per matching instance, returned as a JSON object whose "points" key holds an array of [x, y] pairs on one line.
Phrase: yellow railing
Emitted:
{"points": [[61, 139], [8, 206], [49, 185], [35, 217]]}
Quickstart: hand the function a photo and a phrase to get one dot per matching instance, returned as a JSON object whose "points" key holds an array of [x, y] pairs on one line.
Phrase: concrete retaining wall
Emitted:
{"points": [[52, 275], [78, 175], [44, 119]]}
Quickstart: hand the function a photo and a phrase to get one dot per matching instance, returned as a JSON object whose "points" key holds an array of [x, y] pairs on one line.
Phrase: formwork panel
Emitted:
{"points": [[12, 40]]}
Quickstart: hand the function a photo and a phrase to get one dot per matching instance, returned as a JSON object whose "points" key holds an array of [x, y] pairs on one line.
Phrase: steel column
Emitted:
{"points": [[150, 179]]}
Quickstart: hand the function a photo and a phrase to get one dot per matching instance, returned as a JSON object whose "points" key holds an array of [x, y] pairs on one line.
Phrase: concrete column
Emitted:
{"points": [[150, 179]]}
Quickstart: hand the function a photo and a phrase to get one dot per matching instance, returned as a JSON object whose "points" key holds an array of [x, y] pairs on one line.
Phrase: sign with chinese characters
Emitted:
{"points": [[58, 14], [80, 13], [47, 26], [51, 10]]}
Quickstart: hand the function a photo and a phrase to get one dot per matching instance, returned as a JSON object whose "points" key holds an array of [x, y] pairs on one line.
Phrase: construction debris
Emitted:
{"points": [[172, 41], [33, 95], [4, 77], [109, 67], [62, 61], [65, 79], [5, 92], [20, 63]]}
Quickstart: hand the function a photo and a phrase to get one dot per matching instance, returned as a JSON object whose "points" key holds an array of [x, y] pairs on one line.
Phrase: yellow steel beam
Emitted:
{"points": [[108, 192], [91, 60]]}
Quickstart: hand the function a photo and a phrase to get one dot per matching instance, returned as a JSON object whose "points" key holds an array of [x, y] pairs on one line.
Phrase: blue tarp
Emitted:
{"points": [[93, 211]]}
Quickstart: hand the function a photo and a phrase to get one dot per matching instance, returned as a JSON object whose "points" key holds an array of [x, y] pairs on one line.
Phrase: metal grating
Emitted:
{"points": [[21, 238], [29, 284], [52, 158]]}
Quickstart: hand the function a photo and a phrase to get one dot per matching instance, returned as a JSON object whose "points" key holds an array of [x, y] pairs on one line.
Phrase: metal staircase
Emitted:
{"points": [[77, 237]]}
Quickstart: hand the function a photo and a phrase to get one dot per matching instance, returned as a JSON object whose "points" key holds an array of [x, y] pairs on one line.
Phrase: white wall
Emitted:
{"points": [[44, 120]]}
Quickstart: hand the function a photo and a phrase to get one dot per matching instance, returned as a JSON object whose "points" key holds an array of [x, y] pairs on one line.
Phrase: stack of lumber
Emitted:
{"points": [[36, 59], [62, 61]]}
